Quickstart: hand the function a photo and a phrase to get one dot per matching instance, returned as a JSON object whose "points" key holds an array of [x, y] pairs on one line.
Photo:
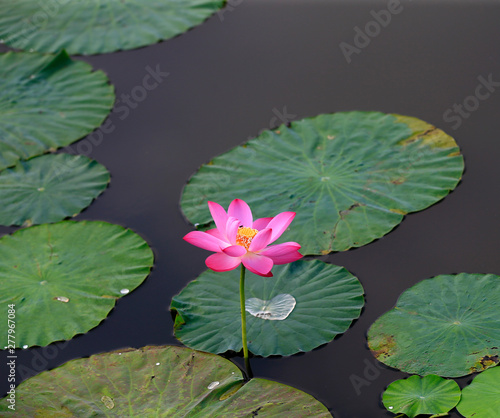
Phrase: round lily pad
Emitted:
{"points": [[327, 299], [65, 278], [481, 399], [448, 325], [421, 395], [96, 27], [47, 102], [49, 188], [157, 382], [351, 177]]}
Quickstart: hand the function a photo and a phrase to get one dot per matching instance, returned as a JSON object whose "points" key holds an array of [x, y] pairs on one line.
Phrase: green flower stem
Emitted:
{"points": [[244, 323]]}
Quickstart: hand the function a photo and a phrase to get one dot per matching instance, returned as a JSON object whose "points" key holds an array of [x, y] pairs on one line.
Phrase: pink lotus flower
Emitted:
{"points": [[239, 239]]}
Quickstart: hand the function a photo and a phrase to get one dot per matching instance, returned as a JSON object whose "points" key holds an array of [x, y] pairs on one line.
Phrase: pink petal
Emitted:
{"points": [[260, 240], [235, 251], [261, 223], [240, 209], [280, 223], [205, 241], [222, 262], [283, 253], [232, 229], [258, 264], [216, 233], [219, 215]]}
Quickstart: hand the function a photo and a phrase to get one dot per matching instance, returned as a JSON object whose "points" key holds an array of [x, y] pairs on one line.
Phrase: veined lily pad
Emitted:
{"points": [[351, 177], [95, 27], [64, 278], [448, 325], [328, 298], [421, 395], [481, 399], [171, 382], [49, 188], [47, 102]]}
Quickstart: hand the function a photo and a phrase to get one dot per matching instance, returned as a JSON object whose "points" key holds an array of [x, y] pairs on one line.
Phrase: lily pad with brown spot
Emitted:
{"points": [[350, 177], [448, 326], [170, 382]]}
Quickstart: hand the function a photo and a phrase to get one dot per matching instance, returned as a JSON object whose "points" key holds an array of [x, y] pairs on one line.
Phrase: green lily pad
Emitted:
{"points": [[327, 299], [49, 188], [351, 177], [167, 381], [481, 399], [96, 27], [448, 325], [47, 102], [65, 278], [421, 395]]}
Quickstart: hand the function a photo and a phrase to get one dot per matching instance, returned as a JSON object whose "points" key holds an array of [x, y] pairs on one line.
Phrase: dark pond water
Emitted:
{"points": [[241, 72]]}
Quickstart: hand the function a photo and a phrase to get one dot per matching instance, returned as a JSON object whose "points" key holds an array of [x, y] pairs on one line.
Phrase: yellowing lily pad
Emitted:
{"points": [[171, 382], [350, 177]]}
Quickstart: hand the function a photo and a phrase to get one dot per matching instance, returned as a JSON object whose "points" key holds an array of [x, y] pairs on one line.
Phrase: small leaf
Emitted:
{"points": [[421, 395], [481, 399]]}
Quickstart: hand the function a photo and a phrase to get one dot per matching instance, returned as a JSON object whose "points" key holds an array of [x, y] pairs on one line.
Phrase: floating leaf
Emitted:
{"points": [[421, 395], [351, 177], [47, 102], [49, 188], [328, 298], [157, 381], [95, 27], [481, 399], [64, 278], [448, 325]]}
